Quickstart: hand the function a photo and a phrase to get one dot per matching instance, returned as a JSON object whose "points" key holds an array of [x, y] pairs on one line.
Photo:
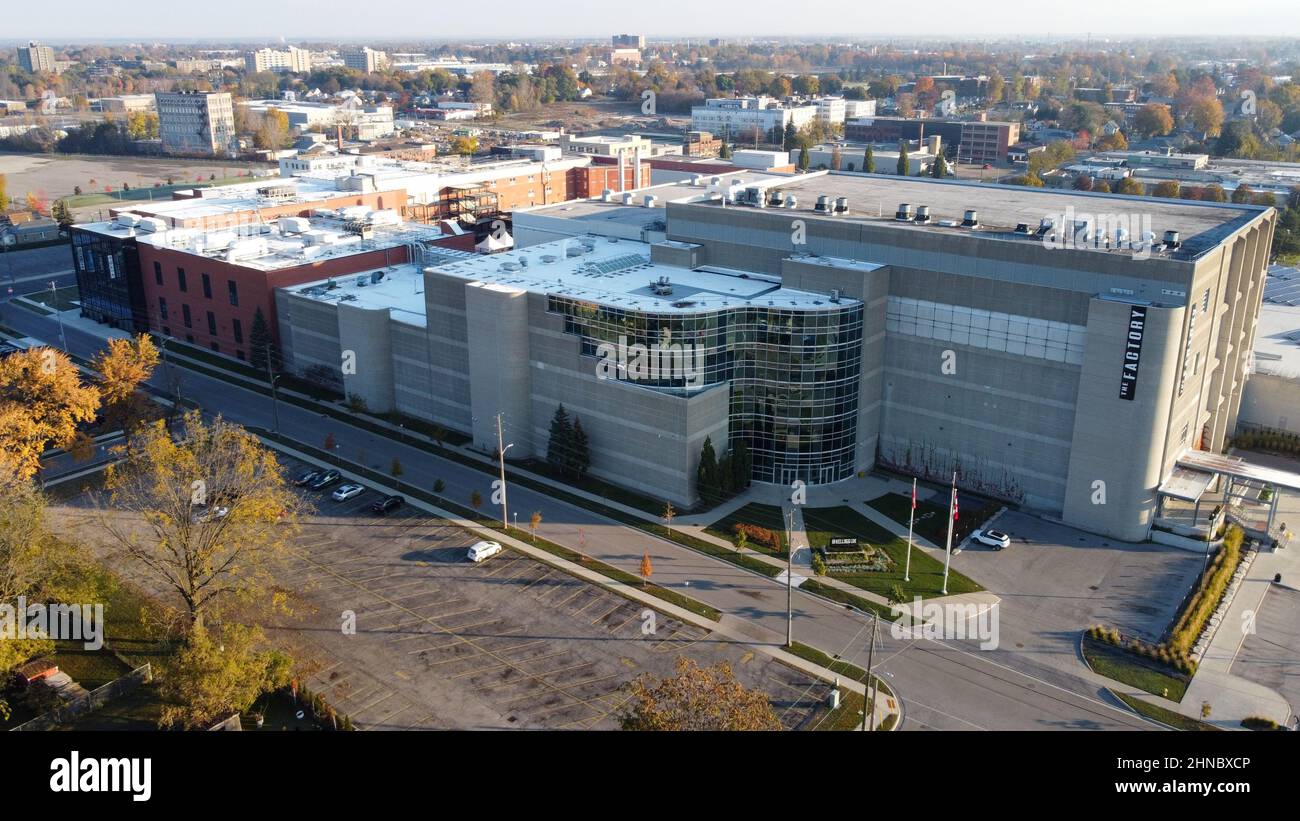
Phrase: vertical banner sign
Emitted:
{"points": [[1137, 322]]}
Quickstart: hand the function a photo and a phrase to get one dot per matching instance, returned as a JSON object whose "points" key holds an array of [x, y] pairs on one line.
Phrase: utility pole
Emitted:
{"points": [[789, 582], [947, 557], [869, 702], [501, 458], [272, 376]]}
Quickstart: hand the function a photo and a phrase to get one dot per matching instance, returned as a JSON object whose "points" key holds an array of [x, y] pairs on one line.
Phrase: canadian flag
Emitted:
{"points": [[954, 504]]}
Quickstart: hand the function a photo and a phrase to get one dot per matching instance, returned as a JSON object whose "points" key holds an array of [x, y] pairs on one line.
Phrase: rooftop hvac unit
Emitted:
{"points": [[150, 225], [841, 205], [715, 181], [1080, 231], [376, 277], [1022, 228], [971, 219], [548, 259], [650, 200], [607, 195], [627, 198], [661, 286], [904, 213], [1045, 226], [823, 205], [835, 295], [128, 220], [774, 199], [791, 200], [1171, 239], [923, 214], [361, 281], [293, 225], [1121, 236]]}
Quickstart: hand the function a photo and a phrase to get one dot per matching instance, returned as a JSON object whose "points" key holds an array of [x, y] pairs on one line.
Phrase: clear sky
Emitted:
{"points": [[415, 20]]}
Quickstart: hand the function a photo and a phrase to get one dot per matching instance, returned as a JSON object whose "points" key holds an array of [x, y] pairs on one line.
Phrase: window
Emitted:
{"points": [[207, 286], [1205, 301], [162, 307], [157, 273], [180, 279], [212, 324], [238, 328], [233, 287], [185, 317]]}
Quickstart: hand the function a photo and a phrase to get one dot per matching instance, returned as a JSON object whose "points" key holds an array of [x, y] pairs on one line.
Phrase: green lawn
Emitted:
{"points": [[768, 516], [926, 572], [60, 300], [931, 521], [140, 709], [1169, 718], [1134, 670], [145, 193]]}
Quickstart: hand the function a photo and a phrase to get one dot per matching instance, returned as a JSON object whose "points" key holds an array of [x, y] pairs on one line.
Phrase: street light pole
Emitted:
{"points": [[869, 702], [275, 406], [501, 458], [53, 296]]}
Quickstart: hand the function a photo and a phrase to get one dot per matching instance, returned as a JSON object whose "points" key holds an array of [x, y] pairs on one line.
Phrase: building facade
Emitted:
{"points": [[196, 123], [35, 58]]}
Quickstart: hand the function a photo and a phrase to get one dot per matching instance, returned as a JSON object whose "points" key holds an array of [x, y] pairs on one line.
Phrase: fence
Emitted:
{"points": [[91, 701]]}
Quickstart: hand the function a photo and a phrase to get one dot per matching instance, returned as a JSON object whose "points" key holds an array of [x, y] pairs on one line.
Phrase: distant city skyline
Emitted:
{"points": [[522, 20]]}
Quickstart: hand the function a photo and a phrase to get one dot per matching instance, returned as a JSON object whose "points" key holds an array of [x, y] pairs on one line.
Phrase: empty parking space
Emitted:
{"points": [[510, 642], [1271, 655]]}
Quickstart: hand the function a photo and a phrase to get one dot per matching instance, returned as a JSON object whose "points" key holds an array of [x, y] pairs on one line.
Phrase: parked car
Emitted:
{"points": [[203, 513], [995, 539], [482, 551], [306, 477], [348, 491], [387, 504], [324, 480]]}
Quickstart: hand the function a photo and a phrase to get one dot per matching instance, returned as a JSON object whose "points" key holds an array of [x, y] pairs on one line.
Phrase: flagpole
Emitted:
{"points": [[907, 572], [947, 558]]}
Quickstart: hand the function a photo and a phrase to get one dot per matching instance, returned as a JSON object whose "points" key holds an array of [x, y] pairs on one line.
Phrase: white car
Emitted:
{"points": [[346, 492], [204, 514], [995, 539], [481, 551]]}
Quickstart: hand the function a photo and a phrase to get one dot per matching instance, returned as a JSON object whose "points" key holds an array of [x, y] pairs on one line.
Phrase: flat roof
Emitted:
{"points": [[237, 198], [1277, 336], [875, 198], [397, 288], [269, 247], [618, 273]]}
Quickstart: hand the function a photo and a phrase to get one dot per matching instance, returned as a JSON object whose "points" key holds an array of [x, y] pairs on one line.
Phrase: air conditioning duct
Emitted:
{"points": [[922, 213], [904, 213]]}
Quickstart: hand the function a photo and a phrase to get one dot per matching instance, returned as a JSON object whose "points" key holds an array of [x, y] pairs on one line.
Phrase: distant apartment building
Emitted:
{"points": [[201, 65], [196, 123], [859, 108], [297, 60], [365, 59], [628, 56], [731, 116], [35, 58], [701, 144], [973, 141], [831, 109], [628, 41], [603, 146]]}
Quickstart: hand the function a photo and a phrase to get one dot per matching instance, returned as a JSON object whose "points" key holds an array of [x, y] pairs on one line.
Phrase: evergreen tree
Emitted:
{"points": [[260, 342], [903, 164], [581, 450], [804, 160], [61, 213], [560, 446], [742, 464], [939, 169], [869, 164], [791, 136], [724, 153], [706, 484]]}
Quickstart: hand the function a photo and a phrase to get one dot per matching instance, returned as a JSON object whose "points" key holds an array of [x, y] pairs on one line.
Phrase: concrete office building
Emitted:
{"points": [[196, 123], [520, 333], [734, 116], [35, 58], [969, 141], [921, 325]]}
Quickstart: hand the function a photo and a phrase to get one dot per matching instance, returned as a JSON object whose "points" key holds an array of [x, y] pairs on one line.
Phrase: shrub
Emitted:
{"points": [[818, 564], [1259, 723], [758, 535]]}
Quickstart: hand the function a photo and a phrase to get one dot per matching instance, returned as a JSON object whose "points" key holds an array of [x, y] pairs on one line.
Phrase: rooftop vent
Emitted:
{"points": [[607, 195], [922, 214], [1045, 226], [627, 198], [774, 198], [650, 200], [1022, 228], [1171, 239], [904, 213], [823, 205], [971, 219], [791, 201], [661, 286], [841, 205], [835, 295]]}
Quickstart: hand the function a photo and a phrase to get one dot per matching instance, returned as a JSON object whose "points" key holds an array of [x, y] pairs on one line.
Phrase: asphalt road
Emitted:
{"points": [[944, 685], [30, 270]]}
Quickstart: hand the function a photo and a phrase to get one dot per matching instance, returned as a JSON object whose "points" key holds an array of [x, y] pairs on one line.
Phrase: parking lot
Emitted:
{"points": [[441, 642], [1271, 655], [1055, 581]]}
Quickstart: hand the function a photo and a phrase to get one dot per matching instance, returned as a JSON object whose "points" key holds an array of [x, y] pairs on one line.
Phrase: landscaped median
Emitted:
{"points": [[881, 573]]}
